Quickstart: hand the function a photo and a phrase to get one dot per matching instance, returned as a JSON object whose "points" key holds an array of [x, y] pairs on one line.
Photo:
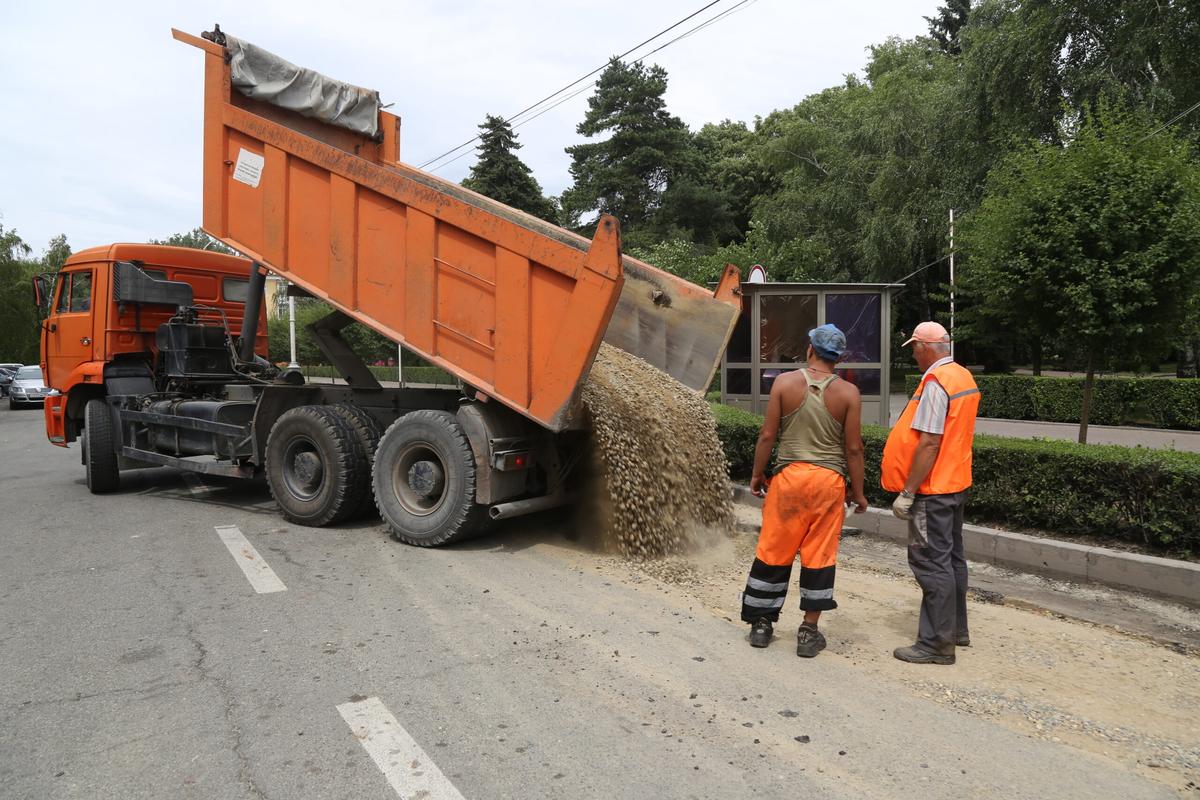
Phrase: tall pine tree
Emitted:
{"points": [[647, 148], [501, 175]]}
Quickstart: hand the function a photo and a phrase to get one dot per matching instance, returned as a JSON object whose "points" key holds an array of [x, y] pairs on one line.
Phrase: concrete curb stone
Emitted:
{"points": [[1162, 577]]}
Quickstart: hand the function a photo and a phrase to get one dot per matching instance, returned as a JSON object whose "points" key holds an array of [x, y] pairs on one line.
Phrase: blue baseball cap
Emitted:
{"points": [[828, 341]]}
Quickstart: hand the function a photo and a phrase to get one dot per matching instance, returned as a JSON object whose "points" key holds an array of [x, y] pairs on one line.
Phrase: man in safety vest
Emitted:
{"points": [[927, 459]]}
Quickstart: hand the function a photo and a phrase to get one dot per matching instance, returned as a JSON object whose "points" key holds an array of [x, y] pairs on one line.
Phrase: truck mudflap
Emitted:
{"points": [[55, 411]]}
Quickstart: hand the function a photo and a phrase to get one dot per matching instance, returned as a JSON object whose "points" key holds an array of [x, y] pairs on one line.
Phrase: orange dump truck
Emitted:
{"points": [[302, 175]]}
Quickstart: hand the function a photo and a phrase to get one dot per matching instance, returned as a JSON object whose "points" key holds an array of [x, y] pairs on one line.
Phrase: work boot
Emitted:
{"points": [[761, 632], [919, 655], [809, 641], [963, 640]]}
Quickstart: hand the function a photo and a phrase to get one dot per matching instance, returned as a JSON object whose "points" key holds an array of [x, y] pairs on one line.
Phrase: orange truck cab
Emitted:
{"points": [[91, 337]]}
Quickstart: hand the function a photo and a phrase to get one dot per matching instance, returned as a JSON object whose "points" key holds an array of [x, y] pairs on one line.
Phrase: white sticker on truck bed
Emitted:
{"points": [[249, 168]]}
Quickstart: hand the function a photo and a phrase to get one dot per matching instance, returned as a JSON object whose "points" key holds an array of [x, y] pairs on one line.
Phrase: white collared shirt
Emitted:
{"points": [[934, 402]]}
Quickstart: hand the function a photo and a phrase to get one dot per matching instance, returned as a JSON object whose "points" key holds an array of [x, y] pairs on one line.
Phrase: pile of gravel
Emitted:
{"points": [[662, 471]]}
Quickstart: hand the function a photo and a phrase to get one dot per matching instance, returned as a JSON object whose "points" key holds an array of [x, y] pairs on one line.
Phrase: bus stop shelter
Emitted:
{"points": [[771, 337]]}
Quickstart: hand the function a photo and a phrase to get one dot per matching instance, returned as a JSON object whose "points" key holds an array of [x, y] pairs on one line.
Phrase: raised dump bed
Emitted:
{"points": [[514, 307]]}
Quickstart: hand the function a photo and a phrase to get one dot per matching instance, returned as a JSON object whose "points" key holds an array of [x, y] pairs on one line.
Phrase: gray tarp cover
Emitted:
{"points": [[263, 75]]}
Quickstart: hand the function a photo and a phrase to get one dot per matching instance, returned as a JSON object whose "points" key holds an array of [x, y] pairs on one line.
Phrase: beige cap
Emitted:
{"points": [[930, 332]]}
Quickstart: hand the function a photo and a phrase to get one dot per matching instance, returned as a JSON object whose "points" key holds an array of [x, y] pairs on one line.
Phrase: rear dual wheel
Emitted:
{"points": [[424, 479], [316, 466]]}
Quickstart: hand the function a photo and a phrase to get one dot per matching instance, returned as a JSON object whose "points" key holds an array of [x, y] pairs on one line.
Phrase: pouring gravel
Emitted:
{"points": [[662, 470]]}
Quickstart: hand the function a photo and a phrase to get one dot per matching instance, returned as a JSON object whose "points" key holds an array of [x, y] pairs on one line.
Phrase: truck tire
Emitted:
{"points": [[424, 479], [315, 466], [99, 448], [369, 432]]}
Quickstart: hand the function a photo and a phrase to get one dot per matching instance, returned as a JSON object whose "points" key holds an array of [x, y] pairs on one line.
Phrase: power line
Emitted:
{"points": [[922, 269], [712, 20], [640, 59], [1169, 123], [574, 82]]}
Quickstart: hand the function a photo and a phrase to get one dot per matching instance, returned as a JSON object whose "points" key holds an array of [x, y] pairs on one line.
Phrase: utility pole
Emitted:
{"points": [[952, 283], [400, 364]]}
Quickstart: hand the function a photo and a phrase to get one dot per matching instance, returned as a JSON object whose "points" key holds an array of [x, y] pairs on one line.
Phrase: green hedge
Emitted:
{"points": [[1160, 402], [434, 375], [1151, 497]]}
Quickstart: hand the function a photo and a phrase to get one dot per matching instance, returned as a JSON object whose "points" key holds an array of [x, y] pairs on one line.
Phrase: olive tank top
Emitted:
{"points": [[810, 434]]}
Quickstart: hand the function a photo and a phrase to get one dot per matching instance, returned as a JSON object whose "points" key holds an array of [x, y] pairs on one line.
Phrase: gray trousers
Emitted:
{"points": [[935, 554]]}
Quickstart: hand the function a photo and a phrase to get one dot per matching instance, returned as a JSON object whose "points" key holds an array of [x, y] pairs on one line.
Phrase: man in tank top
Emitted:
{"points": [[816, 418]]}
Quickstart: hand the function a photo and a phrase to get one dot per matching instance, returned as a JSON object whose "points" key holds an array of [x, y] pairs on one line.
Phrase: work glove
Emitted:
{"points": [[902, 506]]}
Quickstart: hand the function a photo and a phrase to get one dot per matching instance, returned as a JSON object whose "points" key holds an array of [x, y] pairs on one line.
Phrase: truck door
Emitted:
{"points": [[69, 327]]}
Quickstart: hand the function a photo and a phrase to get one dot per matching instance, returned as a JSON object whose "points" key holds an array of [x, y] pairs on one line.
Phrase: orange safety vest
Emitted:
{"points": [[952, 471]]}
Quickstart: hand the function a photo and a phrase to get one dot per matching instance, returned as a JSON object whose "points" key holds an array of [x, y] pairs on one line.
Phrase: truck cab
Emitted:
{"points": [[91, 338]]}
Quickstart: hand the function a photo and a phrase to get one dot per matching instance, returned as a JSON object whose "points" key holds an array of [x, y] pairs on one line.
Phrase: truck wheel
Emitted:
{"points": [[315, 466], [368, 431], [99, 448], [424, 478]]}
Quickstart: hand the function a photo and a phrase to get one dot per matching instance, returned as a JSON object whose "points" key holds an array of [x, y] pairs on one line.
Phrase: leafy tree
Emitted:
{"points": [[866, 174], [195, 238], [1096, 242], [710, 203], [57, 253], [647, 148], [944, 27], [501, 175], [18, 315], [1031, 65]]}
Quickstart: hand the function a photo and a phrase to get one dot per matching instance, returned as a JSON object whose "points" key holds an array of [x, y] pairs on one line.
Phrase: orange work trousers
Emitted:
{"points": [[803, 513]]}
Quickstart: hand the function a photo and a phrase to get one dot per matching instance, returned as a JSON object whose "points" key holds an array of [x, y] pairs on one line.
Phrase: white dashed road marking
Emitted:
{"points": [[407, 767], [261, 577]]}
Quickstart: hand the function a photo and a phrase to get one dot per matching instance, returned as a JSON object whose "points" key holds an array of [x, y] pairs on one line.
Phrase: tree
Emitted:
{"points": [[944, 27], [710, 202], [867, 172], [647, 148], [57, 253], [1030, 66], [501, 175], [18, 315], [195, 238], [1096, 242]]}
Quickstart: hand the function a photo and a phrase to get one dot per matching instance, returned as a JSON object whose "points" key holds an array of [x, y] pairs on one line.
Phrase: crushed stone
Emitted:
{"points": [[660, 465]]}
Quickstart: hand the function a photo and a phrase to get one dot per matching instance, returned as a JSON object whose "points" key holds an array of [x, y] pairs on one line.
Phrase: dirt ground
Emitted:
{"points": [[1126, 695]]}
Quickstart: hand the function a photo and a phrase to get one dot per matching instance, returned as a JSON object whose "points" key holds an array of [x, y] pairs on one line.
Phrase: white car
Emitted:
{"points": [[27, 387]]}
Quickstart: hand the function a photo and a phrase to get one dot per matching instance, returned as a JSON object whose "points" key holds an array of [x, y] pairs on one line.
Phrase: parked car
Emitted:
{"points": [[6, 378], [27, 387]]}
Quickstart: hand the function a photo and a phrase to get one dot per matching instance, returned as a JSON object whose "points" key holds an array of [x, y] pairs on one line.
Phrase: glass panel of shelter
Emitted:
{"points": [[782, 320]]}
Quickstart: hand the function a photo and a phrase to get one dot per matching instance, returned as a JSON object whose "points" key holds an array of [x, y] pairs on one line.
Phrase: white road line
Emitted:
{"points": [[195, 485], [407, 767], [261, 577]]}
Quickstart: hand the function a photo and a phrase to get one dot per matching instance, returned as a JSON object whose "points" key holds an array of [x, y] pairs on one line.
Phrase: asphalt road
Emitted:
{"points": [[137, 660]]}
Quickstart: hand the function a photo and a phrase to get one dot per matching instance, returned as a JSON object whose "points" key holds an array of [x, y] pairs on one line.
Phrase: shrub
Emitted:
{"points": [[738, 431], [1150, 497], [1160, 402]]}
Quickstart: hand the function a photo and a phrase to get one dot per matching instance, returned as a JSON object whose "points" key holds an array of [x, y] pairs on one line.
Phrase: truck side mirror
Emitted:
{"points": [[41, 290]]}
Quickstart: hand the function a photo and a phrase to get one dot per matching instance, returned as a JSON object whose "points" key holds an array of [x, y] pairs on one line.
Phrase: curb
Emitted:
{"points": [[1161, 577]]}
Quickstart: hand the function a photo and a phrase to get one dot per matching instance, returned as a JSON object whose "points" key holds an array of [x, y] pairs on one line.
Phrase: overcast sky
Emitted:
{"points": [[100, 139]]}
